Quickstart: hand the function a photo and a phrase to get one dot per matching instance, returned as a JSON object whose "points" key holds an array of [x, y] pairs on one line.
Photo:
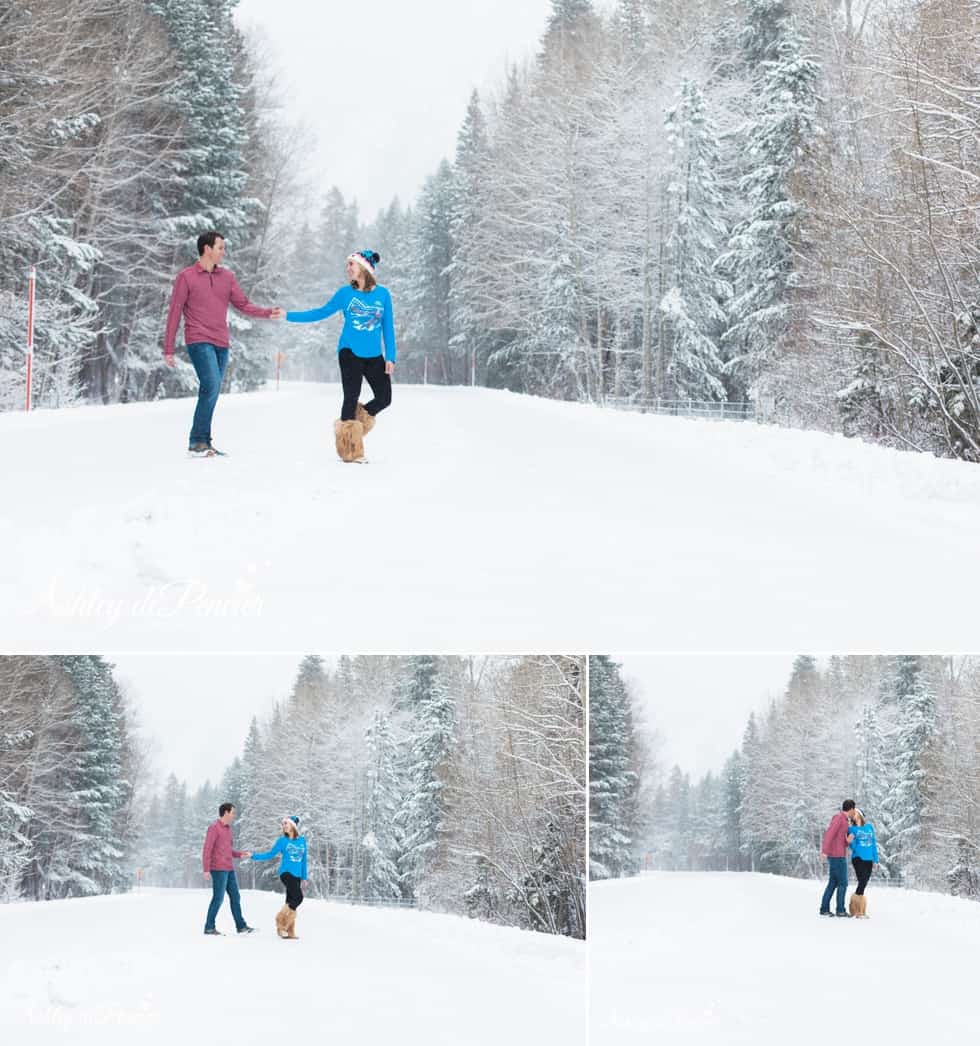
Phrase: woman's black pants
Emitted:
{"points": [[354, 370], [294, 892], [862, 869]]}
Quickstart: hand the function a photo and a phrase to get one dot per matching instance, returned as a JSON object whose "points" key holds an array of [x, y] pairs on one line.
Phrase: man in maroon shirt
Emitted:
{"points": [[834, 849], [217, 859], [201, 295]]}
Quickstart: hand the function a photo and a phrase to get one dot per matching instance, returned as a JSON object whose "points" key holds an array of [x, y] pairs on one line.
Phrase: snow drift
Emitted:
{"points": [[485, 521], [137, 968], [691, 958]]}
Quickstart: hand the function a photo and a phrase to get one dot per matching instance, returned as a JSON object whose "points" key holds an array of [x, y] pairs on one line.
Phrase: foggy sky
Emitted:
{"points": [[196, 708], [385, 85], [699, 703]]}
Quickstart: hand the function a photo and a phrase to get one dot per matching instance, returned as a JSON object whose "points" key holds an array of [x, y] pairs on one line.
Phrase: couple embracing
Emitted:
{"points": [[201, 296], [218, 857], [848, 828]]}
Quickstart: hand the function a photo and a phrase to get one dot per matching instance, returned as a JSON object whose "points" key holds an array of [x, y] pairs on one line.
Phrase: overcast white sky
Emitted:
{"points": [[197, 707], [385, 84], [699, 703]]}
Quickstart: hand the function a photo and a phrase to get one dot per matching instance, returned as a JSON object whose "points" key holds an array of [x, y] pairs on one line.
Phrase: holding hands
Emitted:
{"points": [[278, 313]]}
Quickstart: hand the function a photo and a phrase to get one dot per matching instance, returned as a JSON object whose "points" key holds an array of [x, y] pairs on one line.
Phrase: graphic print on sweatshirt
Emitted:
{"points": [[294, 852], [365, 316]]}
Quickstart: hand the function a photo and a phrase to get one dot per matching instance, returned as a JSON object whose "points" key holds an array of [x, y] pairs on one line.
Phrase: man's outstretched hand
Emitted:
{"points": [[278, 313], [169, 359]]}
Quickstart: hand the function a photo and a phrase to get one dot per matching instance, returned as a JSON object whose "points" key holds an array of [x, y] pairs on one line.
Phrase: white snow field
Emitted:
{"points": [[484, 519], [138, 968], [697, 958]]}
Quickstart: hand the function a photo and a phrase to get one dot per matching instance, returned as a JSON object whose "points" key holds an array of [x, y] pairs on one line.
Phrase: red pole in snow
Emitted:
{"points": [[30, 334]]}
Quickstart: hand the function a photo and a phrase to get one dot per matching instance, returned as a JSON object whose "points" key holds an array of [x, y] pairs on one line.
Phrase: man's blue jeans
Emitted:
{"points": [[837, 870], [222, 883], [209, 362]]}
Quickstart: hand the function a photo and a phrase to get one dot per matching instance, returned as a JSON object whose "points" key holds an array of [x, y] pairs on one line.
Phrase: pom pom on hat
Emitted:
{"points": [[367, 259]]}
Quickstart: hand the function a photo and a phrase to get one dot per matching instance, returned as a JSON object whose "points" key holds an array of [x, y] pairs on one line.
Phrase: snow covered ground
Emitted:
{"points": [[485, 521], [138, 968], [691, 959]]}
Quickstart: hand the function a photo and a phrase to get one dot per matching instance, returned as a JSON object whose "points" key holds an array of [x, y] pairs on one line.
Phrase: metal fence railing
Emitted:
{"points": [[724, 411], [879, 881], [372, 902]]}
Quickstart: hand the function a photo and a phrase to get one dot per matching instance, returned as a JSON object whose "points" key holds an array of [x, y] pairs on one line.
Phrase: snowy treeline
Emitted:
{"points": [[456, 784], [732, 199], [899, 735], [127, 127], [68, 763], [621, 766], [773, 200]]}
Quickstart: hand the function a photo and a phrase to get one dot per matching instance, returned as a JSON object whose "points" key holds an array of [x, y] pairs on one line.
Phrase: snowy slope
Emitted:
{"points": [[138, 969], [692, 959], [484, 521]]}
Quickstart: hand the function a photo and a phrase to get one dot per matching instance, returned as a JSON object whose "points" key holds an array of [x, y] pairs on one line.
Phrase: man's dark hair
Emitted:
{"points": [[225, 807], [206, 239], [848, 804]]}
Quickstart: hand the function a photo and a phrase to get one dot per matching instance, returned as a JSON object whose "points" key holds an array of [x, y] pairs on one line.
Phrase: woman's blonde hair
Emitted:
{"points": [[369, 281], [858, 816]]}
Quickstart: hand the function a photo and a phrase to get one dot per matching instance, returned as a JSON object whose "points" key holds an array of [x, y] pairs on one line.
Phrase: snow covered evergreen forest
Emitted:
{"points": [[455, 784], [731, 200], [69, 765], [622, 767], [772, 201], [898, 734], [127, 127]]}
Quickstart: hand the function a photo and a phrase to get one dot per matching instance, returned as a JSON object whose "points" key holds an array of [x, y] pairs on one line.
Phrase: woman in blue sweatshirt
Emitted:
{"points": [[368, 319], [864, 857], [290, 847]]}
